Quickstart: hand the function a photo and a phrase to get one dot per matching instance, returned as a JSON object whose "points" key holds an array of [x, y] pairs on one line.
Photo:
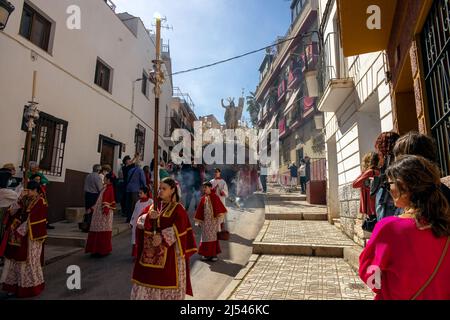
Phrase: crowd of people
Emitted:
{"points": [[162, 239], [406, 207]]}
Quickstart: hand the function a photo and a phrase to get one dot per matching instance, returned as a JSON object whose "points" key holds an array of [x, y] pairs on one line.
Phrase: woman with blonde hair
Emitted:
{"points": [[363, 182]]}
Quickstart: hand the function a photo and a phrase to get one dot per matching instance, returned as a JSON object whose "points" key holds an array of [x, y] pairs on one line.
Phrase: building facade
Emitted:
{"points": [[416, 37], [391, 75], [357, 107], [93, 90], [282, 93]]}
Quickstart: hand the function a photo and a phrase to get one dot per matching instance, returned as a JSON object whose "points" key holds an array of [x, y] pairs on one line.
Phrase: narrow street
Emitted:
{"points": [[319, 128], [108, 278]]}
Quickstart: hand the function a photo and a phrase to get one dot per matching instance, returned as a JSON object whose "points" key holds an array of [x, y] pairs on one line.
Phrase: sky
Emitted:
{"points": [[206, 31]]}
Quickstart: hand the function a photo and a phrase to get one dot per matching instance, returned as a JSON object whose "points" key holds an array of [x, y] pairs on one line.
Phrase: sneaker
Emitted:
{"points": [[205, 258], [214, 259]]}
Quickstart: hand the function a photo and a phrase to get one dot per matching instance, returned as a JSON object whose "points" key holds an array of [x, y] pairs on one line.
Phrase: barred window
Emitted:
{"points": [[139, 140], [48, 141], [103, 75], [145, 83]]}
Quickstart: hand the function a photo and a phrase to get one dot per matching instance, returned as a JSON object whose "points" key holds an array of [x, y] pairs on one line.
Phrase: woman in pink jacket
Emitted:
{"points": [[408, 256]]}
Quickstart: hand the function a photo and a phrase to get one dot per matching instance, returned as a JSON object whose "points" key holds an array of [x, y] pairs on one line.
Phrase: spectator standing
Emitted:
{"points": [[93, 185]]}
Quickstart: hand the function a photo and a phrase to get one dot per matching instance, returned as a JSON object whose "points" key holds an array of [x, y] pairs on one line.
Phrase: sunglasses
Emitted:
{"points": [[388, 185]]}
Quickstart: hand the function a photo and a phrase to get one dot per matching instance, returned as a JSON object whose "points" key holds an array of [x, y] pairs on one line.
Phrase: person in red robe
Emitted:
{"points": [[99, 241], [210, 215], [26, 231], [165, 242], [369, 171]]}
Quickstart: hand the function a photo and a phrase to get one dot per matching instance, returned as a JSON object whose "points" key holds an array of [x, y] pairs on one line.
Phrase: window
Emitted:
{"points": [[144, 84], [48, 140], [103, 76], [139, 140], [35, 27]]}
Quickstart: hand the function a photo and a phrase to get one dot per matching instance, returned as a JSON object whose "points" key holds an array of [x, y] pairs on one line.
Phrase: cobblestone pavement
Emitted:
{"points": [[275, 277], [304, 232]]}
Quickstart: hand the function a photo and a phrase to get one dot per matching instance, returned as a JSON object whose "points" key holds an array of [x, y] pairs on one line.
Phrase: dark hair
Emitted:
{"points": [[217, 169], [146, 169], [207, 184], [125, 159], [33, 185], [173, 185], [421, 178], [144, 190], [5, 175], [385, 143], [34, 176], [418, 144]]}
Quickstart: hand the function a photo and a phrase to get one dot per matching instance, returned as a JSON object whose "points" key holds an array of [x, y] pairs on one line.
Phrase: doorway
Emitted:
{"points": [[107, 154], [110, 151]]}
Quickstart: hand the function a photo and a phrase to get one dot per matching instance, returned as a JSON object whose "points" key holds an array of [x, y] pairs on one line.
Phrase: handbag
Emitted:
{"points": [[369, 223], [223, 235], [444, 253]]}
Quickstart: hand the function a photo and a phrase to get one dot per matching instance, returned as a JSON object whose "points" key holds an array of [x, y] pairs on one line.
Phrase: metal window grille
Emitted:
{"points": [[48, 142], [139, 140], [436, 54]]}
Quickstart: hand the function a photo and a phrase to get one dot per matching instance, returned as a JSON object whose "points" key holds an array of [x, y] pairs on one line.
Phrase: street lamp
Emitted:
{"points": [[6, 8]]}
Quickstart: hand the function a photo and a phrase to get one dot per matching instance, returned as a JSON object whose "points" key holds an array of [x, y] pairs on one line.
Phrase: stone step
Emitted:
{"points": [[285, 197], [298, 249], [294, 210], [68, 234], [301, 237], [351, 256], [66, 241], [297, 216]]}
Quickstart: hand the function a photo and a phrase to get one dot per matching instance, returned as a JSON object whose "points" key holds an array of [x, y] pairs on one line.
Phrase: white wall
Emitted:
{"points": [[66, 89]]}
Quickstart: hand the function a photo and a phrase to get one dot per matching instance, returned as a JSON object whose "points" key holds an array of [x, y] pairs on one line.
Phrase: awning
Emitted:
{"points": [[365, 25]]}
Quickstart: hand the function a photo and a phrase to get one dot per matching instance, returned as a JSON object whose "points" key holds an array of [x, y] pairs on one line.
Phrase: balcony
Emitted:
{"points": [[335, 94], [334, 76]]}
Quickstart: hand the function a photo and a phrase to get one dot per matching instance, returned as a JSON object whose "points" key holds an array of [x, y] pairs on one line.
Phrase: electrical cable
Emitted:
{"points": [[241, 55]]}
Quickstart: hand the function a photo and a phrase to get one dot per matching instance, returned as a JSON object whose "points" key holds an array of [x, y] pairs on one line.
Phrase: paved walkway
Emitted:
{"points": [[298, 255], [275, 277], [303, 232]]}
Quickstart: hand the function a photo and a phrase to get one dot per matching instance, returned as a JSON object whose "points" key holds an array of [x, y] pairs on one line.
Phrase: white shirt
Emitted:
{"points": [[220, 185], [136, 213], [302, 170]]}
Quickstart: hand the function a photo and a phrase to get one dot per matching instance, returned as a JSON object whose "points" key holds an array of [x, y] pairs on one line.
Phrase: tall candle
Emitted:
{"points": [[33, 96]]}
